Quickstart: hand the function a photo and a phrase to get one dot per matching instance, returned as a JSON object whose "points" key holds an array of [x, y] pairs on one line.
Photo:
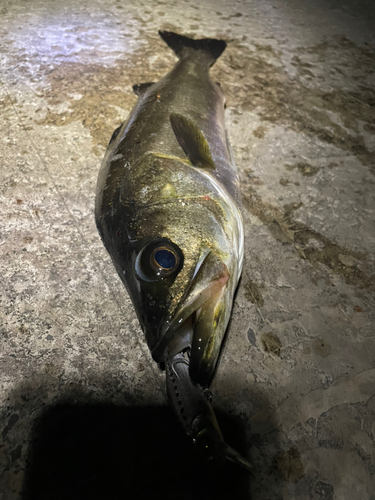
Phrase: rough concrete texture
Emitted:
{"points": [[297, 370]]}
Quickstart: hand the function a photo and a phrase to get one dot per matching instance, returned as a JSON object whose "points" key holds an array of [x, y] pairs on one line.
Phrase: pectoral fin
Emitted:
{"points": [[192, 141]]}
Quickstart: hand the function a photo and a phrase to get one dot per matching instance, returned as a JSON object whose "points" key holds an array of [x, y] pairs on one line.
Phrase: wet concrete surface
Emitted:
{"points": [[294, 389]]}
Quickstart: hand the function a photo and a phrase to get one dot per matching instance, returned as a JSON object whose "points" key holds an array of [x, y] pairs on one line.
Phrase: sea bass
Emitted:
{"points": [[169, 213]]}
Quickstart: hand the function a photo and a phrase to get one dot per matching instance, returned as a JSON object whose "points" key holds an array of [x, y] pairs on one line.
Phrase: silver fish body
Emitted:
{"points": [[169, 213]]}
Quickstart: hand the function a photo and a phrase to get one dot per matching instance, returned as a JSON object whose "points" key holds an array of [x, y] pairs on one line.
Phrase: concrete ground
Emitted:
{"points": [[297, 371]]}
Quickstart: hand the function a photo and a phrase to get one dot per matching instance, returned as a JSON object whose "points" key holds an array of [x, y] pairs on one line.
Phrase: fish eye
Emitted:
{"points": [[164, 260], [158, 260]]}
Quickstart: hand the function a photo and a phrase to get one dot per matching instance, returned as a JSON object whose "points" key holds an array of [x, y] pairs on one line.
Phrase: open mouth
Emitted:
{"points": [[199, 306]]}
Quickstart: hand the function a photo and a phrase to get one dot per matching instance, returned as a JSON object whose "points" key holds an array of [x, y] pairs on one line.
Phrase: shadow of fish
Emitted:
{"points": [[168, 211]]}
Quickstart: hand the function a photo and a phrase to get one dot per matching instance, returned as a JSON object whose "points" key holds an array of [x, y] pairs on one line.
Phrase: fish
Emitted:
{"points": [[168, 210]]}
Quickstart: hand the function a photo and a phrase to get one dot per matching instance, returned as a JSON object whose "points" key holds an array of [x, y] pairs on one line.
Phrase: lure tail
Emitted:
{"points": [[194, 411], [182, 45]]}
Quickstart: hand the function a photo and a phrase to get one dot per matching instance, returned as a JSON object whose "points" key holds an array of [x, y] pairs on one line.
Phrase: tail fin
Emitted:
{"points": [[181, 44]]}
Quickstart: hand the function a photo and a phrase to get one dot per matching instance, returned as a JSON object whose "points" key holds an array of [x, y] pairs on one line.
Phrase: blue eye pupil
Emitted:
{"points": [[165, 259]]}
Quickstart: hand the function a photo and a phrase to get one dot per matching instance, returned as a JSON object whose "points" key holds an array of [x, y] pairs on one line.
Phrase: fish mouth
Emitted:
{"points": [[198, 315]]}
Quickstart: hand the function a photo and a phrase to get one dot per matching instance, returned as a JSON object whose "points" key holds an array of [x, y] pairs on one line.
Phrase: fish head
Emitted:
{"points": [[177, 252]]}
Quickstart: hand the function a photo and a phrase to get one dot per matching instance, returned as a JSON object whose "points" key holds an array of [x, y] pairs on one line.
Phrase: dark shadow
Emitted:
{"points": [[102, 451]]}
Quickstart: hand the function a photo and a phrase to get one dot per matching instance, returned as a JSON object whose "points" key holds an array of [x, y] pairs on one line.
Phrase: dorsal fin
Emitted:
{"points": [[115, 134], [192, 141], [141, 88]]}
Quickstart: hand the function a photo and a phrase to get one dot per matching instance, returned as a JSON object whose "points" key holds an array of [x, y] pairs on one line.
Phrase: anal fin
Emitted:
{"points": [[192, 141], [141, 88]]}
